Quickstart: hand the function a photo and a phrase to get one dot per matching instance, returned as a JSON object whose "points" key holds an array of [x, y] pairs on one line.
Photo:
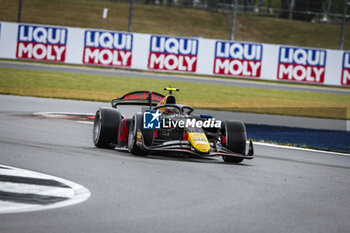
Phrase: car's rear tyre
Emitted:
{"points": [[236, 138], [135, 125], [105, 129]]}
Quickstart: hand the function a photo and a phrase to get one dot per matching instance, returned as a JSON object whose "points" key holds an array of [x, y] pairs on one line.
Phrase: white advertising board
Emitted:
{"points": [[174, 54]]}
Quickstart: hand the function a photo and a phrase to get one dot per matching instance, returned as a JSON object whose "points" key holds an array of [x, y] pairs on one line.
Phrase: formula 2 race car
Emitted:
{"points": [[145, 122]]}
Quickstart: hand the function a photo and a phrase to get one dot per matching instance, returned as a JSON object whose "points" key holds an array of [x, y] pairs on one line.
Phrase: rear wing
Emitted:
{"points": [[139, 98]]}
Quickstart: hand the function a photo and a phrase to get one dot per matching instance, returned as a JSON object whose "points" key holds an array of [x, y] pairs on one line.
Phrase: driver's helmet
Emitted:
{"points": [[170, 99]]}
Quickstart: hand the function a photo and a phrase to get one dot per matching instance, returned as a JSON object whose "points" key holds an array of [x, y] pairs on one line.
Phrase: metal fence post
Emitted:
{"points": [[234, 14], [291, 7], [19, 14], [343, 25], [131, 14]]}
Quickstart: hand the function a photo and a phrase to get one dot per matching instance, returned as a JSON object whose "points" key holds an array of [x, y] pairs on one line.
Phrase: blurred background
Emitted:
{"points": [[309, 23]]}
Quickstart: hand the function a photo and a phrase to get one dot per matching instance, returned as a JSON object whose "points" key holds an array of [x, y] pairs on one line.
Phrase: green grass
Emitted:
{"points": [[323, 86], [105, 88], [175, 21]]}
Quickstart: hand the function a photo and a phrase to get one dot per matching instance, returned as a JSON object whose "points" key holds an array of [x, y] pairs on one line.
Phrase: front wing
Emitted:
{"points": [[184, 147]]}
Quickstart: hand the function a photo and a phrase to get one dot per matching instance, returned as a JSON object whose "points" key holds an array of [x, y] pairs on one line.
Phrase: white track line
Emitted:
{"points": [[85, 122], [300, 148], [42, 189], [75, 192], [54, 114]]}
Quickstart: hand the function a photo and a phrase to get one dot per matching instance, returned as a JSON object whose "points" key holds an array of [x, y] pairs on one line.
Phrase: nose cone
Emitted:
{"points": [[199, 141]]}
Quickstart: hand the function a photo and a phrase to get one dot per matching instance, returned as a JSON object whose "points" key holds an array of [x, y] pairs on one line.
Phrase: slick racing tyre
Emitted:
{"points": [[135, 125], [105, 130], [236, 138]]}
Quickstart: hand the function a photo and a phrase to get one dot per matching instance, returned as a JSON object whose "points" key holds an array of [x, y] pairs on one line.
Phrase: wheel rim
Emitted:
{"points": [[97, 128], [131, 139]]}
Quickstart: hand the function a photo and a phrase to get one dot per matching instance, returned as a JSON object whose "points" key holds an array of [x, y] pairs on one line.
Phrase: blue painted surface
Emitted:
{"points": [[319, 139]]}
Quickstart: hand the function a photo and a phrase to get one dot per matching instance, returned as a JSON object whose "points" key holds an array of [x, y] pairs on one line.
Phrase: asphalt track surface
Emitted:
{"points": [[281, 190], [175, 77]]}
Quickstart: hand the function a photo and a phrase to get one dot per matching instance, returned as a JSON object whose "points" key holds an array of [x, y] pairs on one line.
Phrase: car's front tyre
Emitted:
{"points": [[236, 138], [105, 129]]}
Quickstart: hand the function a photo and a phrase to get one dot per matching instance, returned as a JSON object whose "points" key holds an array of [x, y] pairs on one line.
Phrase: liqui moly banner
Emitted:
{"points": [[201, 56], [173, 54], [43, 43], [238, 59], [301, 65], [345, 79], [107, 48]]}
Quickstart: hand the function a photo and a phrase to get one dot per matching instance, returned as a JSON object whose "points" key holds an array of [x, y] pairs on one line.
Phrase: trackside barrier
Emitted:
{"points": [[174, 54]]}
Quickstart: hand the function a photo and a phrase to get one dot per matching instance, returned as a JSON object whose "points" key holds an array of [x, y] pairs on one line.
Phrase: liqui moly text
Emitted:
{"points": [[173, 54], [345, 78], [107, 48], [301, 65], [41, 43], [238, 59]]}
